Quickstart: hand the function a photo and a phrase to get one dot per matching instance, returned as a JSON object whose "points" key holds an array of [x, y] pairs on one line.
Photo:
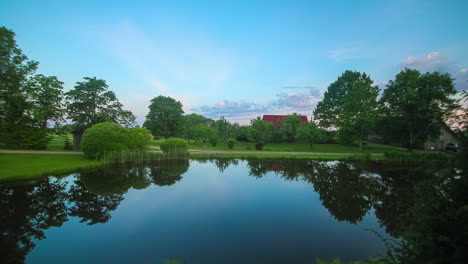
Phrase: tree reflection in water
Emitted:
{"points": [[27, 209], [400, 196]]}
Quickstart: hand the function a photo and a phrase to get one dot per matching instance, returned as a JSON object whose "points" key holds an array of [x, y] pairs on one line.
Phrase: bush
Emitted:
{"points": [[26, 137], [231, 142], [139, 138], [103, 138], [213, 140], [259, 146], [174, 146]]}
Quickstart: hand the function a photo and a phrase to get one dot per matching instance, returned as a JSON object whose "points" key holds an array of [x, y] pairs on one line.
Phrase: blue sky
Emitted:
{"points": [[239, 59]]}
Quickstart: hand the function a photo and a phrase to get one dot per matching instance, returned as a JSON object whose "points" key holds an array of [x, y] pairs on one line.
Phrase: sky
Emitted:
{"points": [[238, 59]]}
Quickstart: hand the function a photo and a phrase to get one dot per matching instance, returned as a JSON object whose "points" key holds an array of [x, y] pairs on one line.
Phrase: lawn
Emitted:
{"points": [[26, 166], [294, 147], [58, 142]]}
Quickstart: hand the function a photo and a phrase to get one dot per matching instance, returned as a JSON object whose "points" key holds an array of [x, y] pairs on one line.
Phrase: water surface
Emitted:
{"points": [[207, 211]]}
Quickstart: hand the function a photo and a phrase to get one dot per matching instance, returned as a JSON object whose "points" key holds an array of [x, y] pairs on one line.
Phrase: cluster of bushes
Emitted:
{"points": [[108, 137], [174, 145]]}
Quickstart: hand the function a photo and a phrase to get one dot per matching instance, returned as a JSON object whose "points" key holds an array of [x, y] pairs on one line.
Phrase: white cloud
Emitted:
{"points": [[435, 61]]}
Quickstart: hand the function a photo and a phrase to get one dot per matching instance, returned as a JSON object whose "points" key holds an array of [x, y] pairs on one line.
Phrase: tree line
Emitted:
{"points": [[30, 102], [412, 109]]}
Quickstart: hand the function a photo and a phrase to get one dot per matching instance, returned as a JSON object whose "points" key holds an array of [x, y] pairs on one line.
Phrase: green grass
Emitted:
{"points": [[294, 147], [27, 166], [288, 156], [58, 142]]}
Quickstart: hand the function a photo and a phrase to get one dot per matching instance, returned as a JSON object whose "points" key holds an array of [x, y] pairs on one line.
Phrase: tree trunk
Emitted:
{"points": [[411, 140], [77, 139]]}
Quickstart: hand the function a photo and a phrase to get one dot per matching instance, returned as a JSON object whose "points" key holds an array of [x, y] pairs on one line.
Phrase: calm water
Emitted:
{"points": [[207, 211]]}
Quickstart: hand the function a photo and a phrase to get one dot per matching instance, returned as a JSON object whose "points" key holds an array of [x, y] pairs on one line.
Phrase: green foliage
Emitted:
{"points": [[290, 127], [231, 142], [359, 111], [174, 146], [260, 131], [67, 144], [27, 138], [331, 107], [103, 138], [213, 139], [416, 105], [165, 117], [224, 128], [311, 133], [18, 125], [191, 122], [204, 133], [46, 94], [139, 138], [90, 102]]}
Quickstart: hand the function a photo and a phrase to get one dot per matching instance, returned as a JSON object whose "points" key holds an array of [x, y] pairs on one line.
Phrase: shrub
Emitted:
{"points": [[259, 146], [26, 137], [231, 142], [174, 146], [213, 140], [103, 138], [139, 138]]}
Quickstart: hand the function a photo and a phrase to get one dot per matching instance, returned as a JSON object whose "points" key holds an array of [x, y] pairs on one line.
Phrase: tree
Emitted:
{"points": [[330, 108], [224, 128], [416, 105], [46, 94], [311, 133], [90, 103], [165, 117], [193, 120], [15, 71], [290, 126], [359, 111], [260, 131]]}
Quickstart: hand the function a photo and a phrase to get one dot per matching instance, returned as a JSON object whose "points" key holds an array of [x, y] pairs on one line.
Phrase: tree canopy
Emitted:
{"points": [[416, 105], [165, 117], [330, 109]]}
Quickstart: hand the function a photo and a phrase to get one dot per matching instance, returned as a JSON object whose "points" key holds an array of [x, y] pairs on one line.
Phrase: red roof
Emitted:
{"points": [[277, 120]]}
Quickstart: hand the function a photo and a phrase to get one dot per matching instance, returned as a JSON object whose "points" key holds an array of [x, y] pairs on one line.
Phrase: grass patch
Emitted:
{"points": [[58, 142], [294, 147], [26, 166], [288, 156]]}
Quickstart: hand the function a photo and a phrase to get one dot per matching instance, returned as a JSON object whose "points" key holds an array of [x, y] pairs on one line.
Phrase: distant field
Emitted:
{"points": [[295, 147], [58, 142]]}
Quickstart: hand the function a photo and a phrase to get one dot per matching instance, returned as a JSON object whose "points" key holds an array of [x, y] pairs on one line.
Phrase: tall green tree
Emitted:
{"points": [[165, 117], [46, 94], [359, 111], [328, 110], [290, 126], [260, 131], [17, 125], [224, 128], [89, 103], [311, 133], [191, 121], [416, 105]]}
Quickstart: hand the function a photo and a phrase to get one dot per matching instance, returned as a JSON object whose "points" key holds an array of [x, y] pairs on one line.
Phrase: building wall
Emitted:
{"points": [[439, 144]]}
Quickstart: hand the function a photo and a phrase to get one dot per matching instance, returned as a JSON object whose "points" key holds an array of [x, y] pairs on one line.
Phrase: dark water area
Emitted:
{"points": [[211, 211]]}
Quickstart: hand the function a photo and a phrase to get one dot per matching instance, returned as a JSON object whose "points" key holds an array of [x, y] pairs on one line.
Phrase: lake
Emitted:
{"points": [[208, 211]]}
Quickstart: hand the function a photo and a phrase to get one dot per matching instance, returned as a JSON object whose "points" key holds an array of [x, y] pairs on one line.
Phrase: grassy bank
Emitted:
{"points": [[294, 147], [27, 166], [288, 156]]}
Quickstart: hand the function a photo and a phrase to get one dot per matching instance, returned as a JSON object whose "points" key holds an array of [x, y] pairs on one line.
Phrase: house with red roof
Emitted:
{"points": [[277, 120]]}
